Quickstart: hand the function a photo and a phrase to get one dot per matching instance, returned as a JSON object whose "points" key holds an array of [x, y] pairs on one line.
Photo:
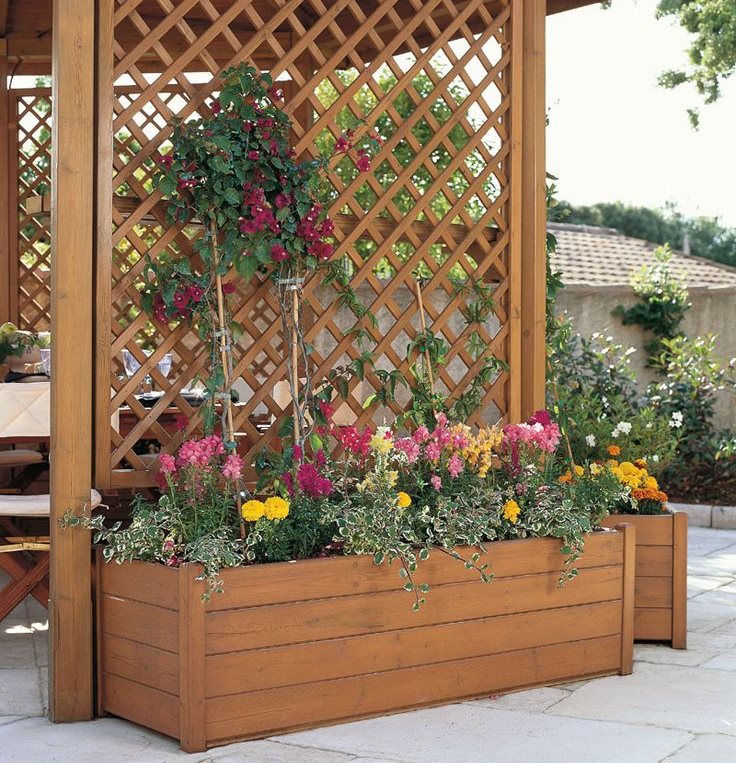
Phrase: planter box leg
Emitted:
{"points": [[192, 730], [679, 580], [629, 579]]}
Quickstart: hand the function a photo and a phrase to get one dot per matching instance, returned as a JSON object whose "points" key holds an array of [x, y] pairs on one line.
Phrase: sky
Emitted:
{"points": [[614, 134]]}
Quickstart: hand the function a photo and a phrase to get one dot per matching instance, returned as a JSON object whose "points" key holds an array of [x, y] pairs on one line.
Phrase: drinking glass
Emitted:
{"points": [[46, 360]]}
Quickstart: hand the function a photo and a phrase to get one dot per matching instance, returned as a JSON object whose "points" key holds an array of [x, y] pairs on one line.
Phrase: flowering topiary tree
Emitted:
{"points": [[235, 173]]}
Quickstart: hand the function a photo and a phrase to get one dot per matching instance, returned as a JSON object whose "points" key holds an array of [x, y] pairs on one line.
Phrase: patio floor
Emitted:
{"points": [[678, 706]]}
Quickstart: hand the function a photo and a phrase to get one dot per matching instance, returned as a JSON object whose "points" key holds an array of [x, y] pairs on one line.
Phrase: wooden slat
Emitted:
{"points": [[679, 580], [654, 561], [653, 592], [628, 617], [263, 712], [653, 624], [237, 672], [141, 663], [140, 622], [6, 178], [651, 529], [70, 611], [350, 575], [376, 612], [141, 704], [141, 581]]}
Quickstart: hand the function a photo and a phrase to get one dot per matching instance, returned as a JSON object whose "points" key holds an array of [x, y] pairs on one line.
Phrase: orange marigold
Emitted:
{"points": [[614, 450], [649, 494]]}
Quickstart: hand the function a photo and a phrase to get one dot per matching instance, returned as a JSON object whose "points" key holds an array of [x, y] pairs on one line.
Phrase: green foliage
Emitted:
{"points": [[662, 301], [707, 237], [712, 51], [302, 534]]}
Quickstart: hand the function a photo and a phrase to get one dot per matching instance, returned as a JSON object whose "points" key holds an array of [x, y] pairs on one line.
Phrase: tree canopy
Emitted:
{"points": [[712, 51]]}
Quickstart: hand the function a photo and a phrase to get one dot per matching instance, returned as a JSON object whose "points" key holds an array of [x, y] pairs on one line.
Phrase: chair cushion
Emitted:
{"points": [[20, 457], [34, 505]]}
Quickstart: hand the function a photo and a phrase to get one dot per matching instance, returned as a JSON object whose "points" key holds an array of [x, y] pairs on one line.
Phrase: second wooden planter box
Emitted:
{"points": [[660, 612], [302, 644]]}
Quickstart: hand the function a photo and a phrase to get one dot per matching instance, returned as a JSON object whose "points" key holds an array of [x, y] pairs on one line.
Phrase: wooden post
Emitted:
{"points": [[72, 173], [192, 730], [679, 580], [515, 217], [534, 212], [627, 593], [5, 180]]}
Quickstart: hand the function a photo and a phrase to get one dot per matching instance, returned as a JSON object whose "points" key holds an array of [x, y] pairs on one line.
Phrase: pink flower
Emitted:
{"points": [[421, 434], [327, 409], [278, 253], [167, 464], [455, 466], [282, 200], [436, 481], [215, 108], [253, 155], [540, 417], [363, 163], [195, 293], [432, 451], [408, 446], [354, 441], [228, 288], [312, 483], [276, 93], [233, 467], [167, 160], [298, 453]]}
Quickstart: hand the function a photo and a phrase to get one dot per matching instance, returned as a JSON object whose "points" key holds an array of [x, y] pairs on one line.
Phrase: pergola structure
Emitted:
{"points": [[457, 192]]}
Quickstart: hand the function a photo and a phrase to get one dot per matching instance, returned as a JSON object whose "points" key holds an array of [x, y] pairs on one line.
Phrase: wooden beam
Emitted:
{"points": [[534, 212], [72, 173], [4, 5], [5, 248]]}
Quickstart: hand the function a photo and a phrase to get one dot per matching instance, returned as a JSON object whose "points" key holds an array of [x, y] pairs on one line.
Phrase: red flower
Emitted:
{"points": [[342, 145], [228, 288], [364, 162], [215, 108], [282, 200], [278, 253], [276, 93], [253, 155], [181, 299], [167, 160], [196, 293]]}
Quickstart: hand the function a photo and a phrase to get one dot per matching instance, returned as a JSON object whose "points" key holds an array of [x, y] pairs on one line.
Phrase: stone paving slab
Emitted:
{"points": [[678, 706]]}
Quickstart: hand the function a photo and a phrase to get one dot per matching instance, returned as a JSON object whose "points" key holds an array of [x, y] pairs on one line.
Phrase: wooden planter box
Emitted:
{"points": [[302, 644], [660, 608]]}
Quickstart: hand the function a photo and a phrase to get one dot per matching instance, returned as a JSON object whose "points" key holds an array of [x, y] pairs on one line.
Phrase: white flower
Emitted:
{"points": [[590, 439], [676, 420], [623, 427], [650, 425], [655, 458]]}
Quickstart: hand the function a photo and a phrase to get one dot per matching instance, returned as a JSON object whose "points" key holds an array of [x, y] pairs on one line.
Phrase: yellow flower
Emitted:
{"points": [[392, 478], [276, 507], [595, 469], [511, 510], [381, 443], [651, 483], [579, 471], [253, 510], [403, 499]]}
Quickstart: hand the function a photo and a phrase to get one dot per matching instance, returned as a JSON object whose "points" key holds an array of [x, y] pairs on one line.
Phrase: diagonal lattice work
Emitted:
{"points": [[433, 79], [33, 255]]}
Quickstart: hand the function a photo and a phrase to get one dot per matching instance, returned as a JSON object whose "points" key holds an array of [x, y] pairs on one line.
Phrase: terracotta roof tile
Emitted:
{"points": [[603, 257]]}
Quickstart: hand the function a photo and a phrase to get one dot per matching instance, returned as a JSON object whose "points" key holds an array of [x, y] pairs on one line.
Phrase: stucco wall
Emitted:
{"points": [[713, 311]]}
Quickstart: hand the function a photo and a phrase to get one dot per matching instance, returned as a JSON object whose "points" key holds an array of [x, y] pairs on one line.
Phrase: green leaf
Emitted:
{"points": [[246, 265], [232, 196]]}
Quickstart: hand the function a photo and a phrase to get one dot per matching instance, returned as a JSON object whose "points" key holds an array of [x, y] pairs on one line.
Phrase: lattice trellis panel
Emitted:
{"points": [[33, 256], [434, 79]]}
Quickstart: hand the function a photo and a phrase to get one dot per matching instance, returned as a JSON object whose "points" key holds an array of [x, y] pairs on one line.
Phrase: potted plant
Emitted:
{"points": [[661, 555], [325, 612]]}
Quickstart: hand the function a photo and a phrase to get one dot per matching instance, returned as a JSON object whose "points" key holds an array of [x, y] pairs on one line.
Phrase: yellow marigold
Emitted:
{"points": [[403, 499], [614, 450], [253, 510], [641, 463], [595, 469], [651, 483], [381, 444], [629, 469], [511, 510], [579, 471], [276, 507]]}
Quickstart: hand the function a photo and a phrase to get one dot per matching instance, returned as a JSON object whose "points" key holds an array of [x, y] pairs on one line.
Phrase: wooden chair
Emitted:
{"points": [[25, 558], [24, 419]]}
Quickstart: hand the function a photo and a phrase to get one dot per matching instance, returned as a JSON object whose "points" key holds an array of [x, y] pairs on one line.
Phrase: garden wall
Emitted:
{"points": [[713, 311]]}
